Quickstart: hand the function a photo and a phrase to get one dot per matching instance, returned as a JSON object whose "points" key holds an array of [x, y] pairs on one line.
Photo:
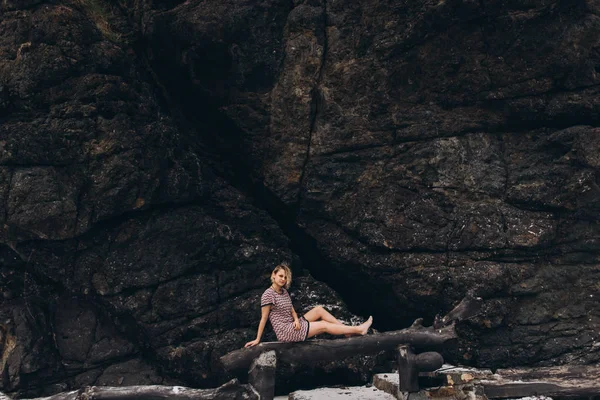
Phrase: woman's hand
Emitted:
{"points": [[252, 343], [297, 324]]}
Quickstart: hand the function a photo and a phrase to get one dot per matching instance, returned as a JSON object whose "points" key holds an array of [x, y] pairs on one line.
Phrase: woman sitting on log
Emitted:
{"points": [[276, 306]]}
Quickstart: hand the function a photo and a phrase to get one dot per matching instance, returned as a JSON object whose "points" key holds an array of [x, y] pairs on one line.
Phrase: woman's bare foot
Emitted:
{"points": [[366, 325]]}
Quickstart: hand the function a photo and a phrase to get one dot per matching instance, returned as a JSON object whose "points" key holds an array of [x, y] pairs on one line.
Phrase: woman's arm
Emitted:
{"points": [[265, 310]]}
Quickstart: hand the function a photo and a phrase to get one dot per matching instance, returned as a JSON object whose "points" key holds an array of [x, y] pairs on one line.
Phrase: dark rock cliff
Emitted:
{"points": [[125, 258], [157, 158]]}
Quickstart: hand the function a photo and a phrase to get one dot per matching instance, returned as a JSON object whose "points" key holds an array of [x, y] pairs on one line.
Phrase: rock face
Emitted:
{"points": [[424, 149], [125, 258], [157, 159]]}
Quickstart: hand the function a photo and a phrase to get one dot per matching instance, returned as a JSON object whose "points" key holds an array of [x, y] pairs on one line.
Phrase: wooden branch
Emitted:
{"points": [[564, 381], [231, 390], [467, 308], [411, 364], [321, 350], [408, 374], [429, 361], [418, 336]]}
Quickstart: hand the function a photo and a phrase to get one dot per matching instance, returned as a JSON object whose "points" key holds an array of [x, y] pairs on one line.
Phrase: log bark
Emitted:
{"points": [[408, 374], [564, 381], [417, 336], [411, 364], [429, 361], [231, 390], [321, 350], [469, 307]]}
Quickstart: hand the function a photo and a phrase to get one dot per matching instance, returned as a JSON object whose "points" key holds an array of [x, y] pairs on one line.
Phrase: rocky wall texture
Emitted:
{"points": [[157, 158], [124, 258], [425, 150]]}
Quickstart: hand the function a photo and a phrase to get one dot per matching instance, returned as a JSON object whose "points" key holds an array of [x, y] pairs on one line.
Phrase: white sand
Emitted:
{"points": [[346, 393]]}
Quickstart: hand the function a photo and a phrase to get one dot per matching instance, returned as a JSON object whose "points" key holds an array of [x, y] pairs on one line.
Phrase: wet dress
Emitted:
{"points": [[281, 316]]}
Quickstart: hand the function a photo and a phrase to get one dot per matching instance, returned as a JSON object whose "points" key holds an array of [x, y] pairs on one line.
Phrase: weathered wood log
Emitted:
{"points": [[418, 336], [408, 373], [558, 374], [411, 364], [321, 350], [262, 375], [467, 308], [231, 390], [565, 381], [579, 381], [73, 395], [429, 361]]}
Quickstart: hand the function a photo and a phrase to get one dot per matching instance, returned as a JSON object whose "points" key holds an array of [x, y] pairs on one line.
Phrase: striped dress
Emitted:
{"points": [[281, 316]]}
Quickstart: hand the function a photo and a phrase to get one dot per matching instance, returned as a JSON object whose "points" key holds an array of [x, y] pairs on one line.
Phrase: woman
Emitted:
{"points": [[276, 306]]}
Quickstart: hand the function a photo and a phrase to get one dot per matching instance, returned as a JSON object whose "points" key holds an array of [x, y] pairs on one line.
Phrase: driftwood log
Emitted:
{"points": [[565, 381], [578, 381], [417, 336], [469, 306], [322, 349], [411, 364], [231, 390]]}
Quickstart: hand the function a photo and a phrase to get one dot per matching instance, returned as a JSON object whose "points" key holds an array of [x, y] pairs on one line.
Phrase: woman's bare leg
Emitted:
{"points": [[318, 327], [319, 313]]}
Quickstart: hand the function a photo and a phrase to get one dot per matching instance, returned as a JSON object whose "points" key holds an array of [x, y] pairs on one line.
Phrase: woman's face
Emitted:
{"points": [[279, 278]]}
